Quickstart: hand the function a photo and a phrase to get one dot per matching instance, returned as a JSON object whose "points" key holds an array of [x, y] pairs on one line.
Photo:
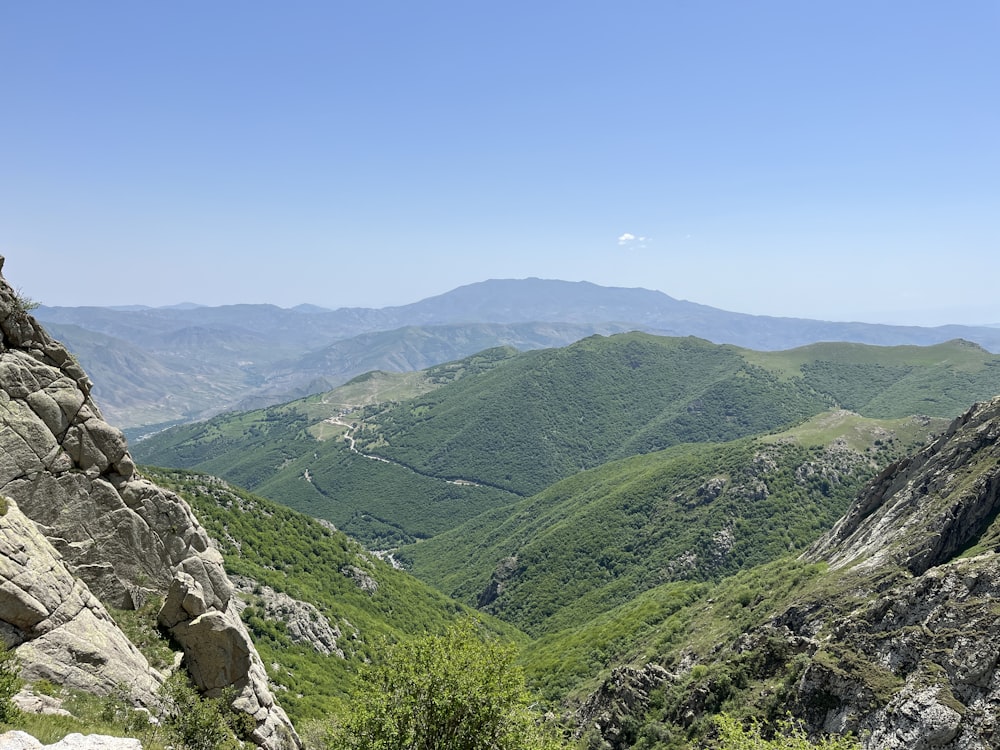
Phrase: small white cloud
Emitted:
{"points": [[630, 240]]}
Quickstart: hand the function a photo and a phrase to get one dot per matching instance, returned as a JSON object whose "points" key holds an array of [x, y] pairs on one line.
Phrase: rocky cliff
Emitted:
{"points": [[912, 618], [887, 628], [904, 639], [85, 533]]}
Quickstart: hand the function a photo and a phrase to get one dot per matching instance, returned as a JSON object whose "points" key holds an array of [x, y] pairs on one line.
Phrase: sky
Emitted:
{"points": [[832, 159]]}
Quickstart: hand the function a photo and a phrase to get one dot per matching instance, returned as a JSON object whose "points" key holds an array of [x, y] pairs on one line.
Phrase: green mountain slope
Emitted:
{"points": [[363, 597], [692, 512], [886, 627], [516, 423], [297, 456], [548, 414]]}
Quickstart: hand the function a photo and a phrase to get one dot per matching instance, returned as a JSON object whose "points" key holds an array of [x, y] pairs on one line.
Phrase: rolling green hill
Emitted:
{"points": [[548, 414], [513, 424], [297, 456], [880, 629], [691, 512]]}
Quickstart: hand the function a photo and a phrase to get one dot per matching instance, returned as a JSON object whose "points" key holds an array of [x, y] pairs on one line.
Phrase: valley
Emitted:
{"points": [[509, 425], [591, 563], [672, 533], [499, 376]]}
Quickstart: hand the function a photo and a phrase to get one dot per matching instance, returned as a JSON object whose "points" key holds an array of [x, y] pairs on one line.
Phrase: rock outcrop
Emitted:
{"points": [[17, 740], [925, 509], [63, 633], [895, 638], [303, 622], [914, 620], [904, 644], [119, 537]]}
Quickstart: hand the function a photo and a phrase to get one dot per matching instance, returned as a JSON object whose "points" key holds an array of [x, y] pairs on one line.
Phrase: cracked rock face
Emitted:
{"points": [[118, 538], [920, 581], [63, 633]]}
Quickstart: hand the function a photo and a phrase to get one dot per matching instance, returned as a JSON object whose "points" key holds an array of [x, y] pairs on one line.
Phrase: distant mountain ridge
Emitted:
{"points": [[237, 356]]}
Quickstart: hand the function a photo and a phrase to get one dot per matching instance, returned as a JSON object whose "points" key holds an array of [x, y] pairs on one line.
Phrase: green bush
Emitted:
{"points": [[193, 722], [455, 691], [789, 736], [10, 684]]}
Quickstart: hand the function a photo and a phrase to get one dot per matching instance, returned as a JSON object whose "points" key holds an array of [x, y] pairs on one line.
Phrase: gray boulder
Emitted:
{"points": [[62, 632], [18, 740]]}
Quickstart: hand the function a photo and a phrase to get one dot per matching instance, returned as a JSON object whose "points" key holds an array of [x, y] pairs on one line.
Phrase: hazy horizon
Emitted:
{"points": [[902, 320]]}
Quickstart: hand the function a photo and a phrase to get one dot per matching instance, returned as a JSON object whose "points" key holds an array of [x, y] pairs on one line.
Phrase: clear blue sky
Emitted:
{"points": [[834, 159]]}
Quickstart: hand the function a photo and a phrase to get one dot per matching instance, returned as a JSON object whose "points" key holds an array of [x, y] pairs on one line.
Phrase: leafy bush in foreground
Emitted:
{"points": [[455, 691]]}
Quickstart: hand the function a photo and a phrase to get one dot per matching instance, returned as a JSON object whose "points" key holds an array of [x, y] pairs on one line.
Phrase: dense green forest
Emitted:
{"points": [[677, 481], [548, 414]]}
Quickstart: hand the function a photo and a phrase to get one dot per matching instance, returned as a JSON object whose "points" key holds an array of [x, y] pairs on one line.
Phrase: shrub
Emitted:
{"points": [[25, 303], [193, 722], [455, 691], [789, 736], [10, 684]]}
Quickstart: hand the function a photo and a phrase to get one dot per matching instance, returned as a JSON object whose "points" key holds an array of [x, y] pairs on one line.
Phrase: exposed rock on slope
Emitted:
{"points": [[897, 640], [923, 510], [121, 538], [65, 634], [918, 581], [303, 622], [904, 641]]}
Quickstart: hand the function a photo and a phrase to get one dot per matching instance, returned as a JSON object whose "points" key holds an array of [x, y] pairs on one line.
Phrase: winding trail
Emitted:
{"points": [[352, 443]]}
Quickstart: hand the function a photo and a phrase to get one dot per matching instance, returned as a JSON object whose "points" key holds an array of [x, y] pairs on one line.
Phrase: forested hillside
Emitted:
{"points": [[358, 602], [475, 434], [695, 512], [296, 455], [551, 413]]}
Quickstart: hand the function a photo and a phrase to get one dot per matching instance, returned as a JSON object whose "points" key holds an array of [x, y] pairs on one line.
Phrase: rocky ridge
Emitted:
{"points": [[85, 532], [897, 641], [904, 644], [914, 617]]}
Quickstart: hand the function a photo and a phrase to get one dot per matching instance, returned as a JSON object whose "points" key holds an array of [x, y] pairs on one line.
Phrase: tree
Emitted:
{"points": [[194, 722], [734, 736], [457, 691]]}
